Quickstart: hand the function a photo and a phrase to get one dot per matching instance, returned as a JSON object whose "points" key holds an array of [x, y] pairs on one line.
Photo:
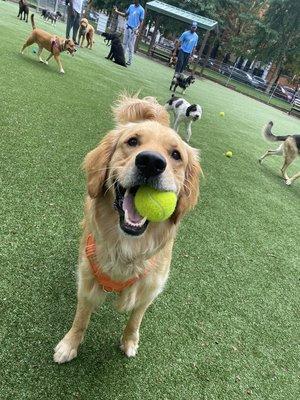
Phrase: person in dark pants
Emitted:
{"points": [[73, 19], [187, 42]]}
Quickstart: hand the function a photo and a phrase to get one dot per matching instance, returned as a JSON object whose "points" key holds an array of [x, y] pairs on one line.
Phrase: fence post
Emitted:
{"points": [[270, 98]]}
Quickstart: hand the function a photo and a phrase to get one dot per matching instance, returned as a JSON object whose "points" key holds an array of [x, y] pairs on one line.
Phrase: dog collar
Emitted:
{"points": [[106, 283]]}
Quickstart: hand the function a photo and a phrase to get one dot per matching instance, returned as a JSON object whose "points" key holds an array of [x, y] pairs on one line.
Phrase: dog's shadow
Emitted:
{"points": [[276, 178], [50, 68]]}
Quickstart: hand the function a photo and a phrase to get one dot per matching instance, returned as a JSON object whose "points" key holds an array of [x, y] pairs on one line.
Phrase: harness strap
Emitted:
{"points": [[55, 43], [104, 280]]}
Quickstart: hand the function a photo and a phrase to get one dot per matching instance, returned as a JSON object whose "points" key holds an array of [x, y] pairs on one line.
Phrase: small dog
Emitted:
{"points": [[54, 44], [23, 9], [289, 149], [121, 251], [184, 112], [181, 81], [86, 31], [116, 50], [50, 16]]}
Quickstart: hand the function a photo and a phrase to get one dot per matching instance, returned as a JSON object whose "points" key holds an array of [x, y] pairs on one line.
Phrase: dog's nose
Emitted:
{"points": [[150, 163]]}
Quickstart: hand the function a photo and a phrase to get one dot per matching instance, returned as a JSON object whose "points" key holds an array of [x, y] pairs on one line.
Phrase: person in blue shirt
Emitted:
{"points": [[135, 16], [187, 42]]}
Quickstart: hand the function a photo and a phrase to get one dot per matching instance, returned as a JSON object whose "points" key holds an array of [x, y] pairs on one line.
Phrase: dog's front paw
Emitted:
{"points": [[61, 71], [288, 182], [46, 62], [65, 351], [129, 347]]}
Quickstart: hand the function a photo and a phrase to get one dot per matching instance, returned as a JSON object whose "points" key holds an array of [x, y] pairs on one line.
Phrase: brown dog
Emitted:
{"points": [[121, 251], [87, 31], [54, 44]]}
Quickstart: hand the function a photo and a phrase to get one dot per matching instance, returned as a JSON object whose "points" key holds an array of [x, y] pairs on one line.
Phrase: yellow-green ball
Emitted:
{"points": [[229, 153], [222, 114], [153, 204]]}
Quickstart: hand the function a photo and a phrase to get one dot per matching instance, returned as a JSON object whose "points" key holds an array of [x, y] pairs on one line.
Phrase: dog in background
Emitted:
{"points": [[23, 9], [54, 44], [184, 112], [289, 149], [116, 49], [120, 250], [51, 16], [86, 31], [181, 81]]}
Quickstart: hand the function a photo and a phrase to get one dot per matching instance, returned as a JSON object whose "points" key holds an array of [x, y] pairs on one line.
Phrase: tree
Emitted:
{"points": [[277, 36]]}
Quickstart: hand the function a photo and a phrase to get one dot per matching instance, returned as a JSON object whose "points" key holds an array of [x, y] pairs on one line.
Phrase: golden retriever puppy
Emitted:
{"points": [[120, 251], [87, 31], [54, 44]]}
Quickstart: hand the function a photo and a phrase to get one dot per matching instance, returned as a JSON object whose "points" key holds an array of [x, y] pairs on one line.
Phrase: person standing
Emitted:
{"points": [[134, 14], [187, 42], [74, 8]]}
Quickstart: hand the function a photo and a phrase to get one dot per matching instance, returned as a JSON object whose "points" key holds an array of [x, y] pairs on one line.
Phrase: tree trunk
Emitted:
{"points": [[274, 77]]}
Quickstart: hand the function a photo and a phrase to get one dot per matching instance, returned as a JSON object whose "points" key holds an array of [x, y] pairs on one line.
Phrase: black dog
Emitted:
{"points": [[181, 81], [44, 13], [109, 37], [116, 50], [23, 9]]}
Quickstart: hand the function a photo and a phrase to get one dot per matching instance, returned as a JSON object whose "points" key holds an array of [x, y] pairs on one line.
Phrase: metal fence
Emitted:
{"points": [[241, 80], [238, 78]]}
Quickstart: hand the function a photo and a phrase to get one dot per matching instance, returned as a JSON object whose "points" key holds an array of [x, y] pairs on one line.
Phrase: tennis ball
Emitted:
{"points": [[229, 153], [153, 204], [222, 114]]}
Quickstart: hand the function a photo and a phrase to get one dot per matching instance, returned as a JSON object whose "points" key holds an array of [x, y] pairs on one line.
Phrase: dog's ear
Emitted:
{"points": [[133, 109], [191, 108], [188, 196], [96, 163]]}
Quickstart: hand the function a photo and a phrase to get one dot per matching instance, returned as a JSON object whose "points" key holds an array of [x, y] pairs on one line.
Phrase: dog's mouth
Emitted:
{"points": [[196, 117], [131, 222]]}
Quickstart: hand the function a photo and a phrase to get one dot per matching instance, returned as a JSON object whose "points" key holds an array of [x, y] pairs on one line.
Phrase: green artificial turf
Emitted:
{"points": [[227, 325]]}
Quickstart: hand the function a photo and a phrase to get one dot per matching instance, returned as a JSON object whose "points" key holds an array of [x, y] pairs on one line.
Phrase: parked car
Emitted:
{"points": [[280, 92], [259, 83], [237, 74], [292, 92]]}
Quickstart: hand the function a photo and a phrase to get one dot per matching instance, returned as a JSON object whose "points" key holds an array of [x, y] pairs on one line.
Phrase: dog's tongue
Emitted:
{"points": [[128, 204]]}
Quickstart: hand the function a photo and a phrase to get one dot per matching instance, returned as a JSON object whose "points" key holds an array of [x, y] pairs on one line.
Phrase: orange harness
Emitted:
{"points": [[107, 284]]}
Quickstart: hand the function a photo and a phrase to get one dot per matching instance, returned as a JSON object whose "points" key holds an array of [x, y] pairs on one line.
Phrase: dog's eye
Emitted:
{"points": [[132, 142], [176, 155]]}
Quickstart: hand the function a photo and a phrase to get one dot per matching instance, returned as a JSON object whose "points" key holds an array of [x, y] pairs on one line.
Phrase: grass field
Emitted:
{"points": [[227, 325]]}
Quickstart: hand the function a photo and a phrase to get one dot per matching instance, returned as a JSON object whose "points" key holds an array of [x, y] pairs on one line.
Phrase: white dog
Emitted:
{"points": [[184, 112]]}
